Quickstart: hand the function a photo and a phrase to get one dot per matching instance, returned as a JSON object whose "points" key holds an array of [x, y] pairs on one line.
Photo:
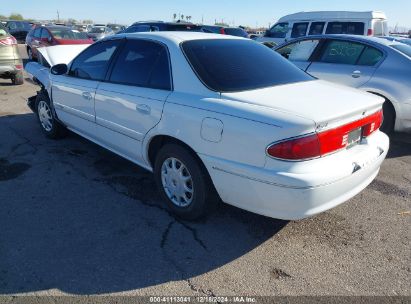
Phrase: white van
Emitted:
{"points": [[317, 23]]}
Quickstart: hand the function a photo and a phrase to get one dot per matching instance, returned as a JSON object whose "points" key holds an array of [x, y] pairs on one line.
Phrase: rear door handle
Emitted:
{"points": [[86, 95], [356, 74], [143, 108]]}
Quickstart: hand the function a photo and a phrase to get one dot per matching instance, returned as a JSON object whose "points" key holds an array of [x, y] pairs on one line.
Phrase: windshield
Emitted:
{"points": [[224, 65], [68, 34], [403, 48], [97, 30]]}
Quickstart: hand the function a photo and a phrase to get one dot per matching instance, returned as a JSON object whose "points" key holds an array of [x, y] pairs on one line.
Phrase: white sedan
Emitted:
{"points": [[216, 117]]}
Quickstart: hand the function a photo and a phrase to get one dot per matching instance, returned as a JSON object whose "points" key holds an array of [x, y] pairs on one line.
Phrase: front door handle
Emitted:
{"points": [[86, 95], [356, 74], [143, 108]]}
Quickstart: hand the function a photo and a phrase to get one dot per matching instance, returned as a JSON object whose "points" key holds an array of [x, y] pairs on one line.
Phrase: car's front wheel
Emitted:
{"points": [[183, 182], [49, 125]]}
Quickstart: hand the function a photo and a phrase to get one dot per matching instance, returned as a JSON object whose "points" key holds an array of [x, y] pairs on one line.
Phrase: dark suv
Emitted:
{"points": [[160, 26], [18, 29]]}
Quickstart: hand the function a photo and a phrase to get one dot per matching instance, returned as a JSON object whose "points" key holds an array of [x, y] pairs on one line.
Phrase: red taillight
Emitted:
{"points": [[222, 31], [19, 66], [370, 32], [323, 143], [8, 41]]}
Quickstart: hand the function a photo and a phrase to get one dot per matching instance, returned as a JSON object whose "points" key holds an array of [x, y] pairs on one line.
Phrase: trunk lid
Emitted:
{"points": [[327, 104]]}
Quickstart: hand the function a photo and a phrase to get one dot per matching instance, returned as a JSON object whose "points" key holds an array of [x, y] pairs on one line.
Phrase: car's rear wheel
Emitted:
{"points": [[49, 125], [389, 117], [183, 182], [17, 78]]}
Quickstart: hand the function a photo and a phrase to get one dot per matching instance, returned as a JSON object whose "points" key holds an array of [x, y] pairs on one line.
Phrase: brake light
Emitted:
{"points": [[8, 41], [19, 66], [222, 31], [370, 32], [323, 143]]}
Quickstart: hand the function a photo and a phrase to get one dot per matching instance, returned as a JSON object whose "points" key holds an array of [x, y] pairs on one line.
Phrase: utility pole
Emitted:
{"points": [[58, 16]]}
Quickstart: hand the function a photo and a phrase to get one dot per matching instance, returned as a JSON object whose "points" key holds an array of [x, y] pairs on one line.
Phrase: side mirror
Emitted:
{"points": [[49, 39], [59, 69]]}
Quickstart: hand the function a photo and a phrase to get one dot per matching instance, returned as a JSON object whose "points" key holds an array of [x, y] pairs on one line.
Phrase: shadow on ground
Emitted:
{"points": [[80, 219]]}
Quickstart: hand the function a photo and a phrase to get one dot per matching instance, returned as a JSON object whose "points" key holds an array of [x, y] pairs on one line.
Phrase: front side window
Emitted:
{"points": [[279, 30], [224, 65], [299, 29], [352, 28], [143, 63], [342, 52], [94, 61], [299, 51], [316, 28]]}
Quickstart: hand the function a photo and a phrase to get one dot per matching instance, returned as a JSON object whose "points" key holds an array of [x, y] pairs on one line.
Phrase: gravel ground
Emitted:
{"points": [[77, 219]]}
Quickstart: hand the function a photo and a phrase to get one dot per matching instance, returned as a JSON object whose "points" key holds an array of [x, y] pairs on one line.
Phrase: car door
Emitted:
{"points": [[73, 93], [346, 62], [35, 40], [130, 101], [300, 52]]}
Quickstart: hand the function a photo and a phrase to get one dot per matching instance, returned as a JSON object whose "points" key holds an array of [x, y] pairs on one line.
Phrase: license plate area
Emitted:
{"points": [[354, 138]]}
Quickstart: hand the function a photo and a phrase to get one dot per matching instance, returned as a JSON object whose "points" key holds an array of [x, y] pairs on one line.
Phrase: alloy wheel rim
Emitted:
{"points": [[45, 117], [177, 182]]}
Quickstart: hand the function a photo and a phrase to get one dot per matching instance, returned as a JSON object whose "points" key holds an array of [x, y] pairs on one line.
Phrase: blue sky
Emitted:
{"points": [[249, 12]]}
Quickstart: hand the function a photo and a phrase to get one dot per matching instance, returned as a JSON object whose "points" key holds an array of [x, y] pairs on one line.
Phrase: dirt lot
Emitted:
{"points": [[76, 219]]}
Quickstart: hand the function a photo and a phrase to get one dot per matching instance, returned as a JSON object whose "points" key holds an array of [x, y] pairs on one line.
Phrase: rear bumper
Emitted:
{"points": [[296, 191]]}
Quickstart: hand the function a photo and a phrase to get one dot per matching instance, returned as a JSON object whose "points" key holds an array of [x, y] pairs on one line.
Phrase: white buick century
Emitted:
{"points": [[215, 117]]}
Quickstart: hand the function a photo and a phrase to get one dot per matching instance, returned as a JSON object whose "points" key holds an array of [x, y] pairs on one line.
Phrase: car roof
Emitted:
{"points": [[178, 37], [358, 38]]}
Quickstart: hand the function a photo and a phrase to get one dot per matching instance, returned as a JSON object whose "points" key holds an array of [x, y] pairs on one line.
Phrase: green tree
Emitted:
{"points": [[88, 21], [2, 17], [15, 16]]}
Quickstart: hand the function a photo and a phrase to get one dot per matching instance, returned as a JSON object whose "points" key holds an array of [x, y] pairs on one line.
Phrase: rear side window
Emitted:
{"points": [[370, 56], [45, 33], [37, 32], [224, 65], [342, 52], [143, 63], [299, 29], [316, 28], [353, 28], [279, 30], [94, 61]]}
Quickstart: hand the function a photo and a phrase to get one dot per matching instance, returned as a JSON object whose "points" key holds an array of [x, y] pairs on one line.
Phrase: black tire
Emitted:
{"points": [[17, 79], [389, 118], [55, 130], [204, 197]]}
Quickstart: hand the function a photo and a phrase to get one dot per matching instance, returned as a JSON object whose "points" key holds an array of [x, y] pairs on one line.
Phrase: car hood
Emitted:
{"points": [[61, 53], [325, 103]]}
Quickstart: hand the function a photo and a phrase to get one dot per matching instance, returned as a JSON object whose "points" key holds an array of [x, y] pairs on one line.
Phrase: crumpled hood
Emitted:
{"points": [[61, 53], [323, 102]]}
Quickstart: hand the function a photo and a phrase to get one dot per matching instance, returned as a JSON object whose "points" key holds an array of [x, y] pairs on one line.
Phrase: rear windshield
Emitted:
{"points": [[68, 34], [353, 28], [226, 65], [183, 27], [236, 32], [403, 48], [3, 31], [97, 30]]}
